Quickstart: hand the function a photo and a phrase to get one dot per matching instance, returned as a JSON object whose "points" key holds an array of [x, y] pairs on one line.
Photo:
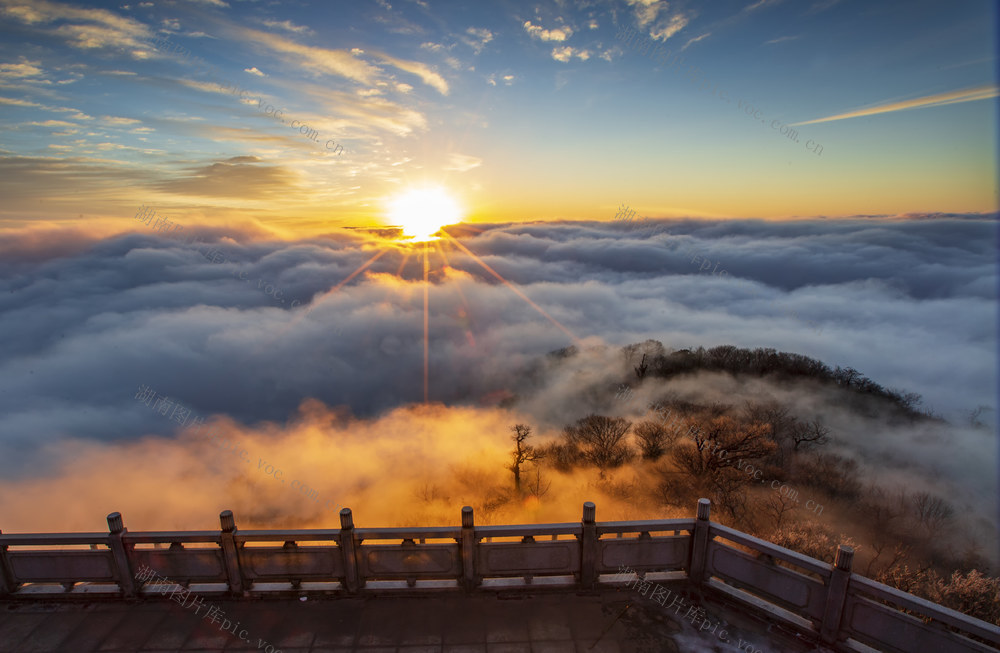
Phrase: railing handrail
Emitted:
{"points": [[826, 600], [50, 539], [774, 550], [978, 627]]}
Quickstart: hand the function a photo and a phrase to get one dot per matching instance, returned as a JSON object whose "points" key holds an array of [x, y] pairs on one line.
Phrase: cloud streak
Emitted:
{"points": [[971, 94]]}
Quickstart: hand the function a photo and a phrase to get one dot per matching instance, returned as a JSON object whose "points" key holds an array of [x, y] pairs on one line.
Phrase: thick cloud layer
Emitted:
{"points": [[910, 302]]}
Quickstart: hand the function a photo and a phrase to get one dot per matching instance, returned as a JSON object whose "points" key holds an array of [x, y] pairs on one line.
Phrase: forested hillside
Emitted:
{"points": [[780, 472]]}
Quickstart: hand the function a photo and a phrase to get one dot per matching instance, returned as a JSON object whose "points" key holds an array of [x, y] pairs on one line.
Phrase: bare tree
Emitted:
{"points": [[654, 438], [847, 376], [728, 490], [536, 487], [975, 414], [640, 371], [628, 351], [523, 452], [811, 434], [880, 546], [882, 513], [836, 475], [780, 419], [429, 493], [932, 511], [777, 505], [781, 424], [723, 442], [600, 440]]}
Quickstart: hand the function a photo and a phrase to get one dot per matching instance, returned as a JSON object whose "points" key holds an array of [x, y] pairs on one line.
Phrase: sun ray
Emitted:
{"points": [[444, 256], [458, 288], [308, 309], [513, 288], [340, 285], [471, 228], [426, 326], [406, 257]]}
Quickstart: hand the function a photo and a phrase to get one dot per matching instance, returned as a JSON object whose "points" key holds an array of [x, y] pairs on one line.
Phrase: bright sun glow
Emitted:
{"points": [[421, 212]]}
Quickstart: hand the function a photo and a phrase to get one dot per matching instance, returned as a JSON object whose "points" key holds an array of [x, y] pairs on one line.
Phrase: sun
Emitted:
{"points": [[421, 212]]}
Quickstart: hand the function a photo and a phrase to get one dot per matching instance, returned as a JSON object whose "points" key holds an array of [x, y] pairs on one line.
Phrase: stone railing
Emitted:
{"points": [[824, 602]]}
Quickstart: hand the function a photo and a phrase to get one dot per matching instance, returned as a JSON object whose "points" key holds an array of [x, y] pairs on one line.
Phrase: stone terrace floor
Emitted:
{"points": [[604, 621]]}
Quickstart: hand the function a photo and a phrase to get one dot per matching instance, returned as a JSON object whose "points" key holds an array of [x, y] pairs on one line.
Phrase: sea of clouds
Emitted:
{"points": [[909, 301]]}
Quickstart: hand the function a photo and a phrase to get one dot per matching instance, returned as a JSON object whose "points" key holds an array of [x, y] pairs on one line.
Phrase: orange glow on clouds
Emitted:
{"points": [[415, 466]]}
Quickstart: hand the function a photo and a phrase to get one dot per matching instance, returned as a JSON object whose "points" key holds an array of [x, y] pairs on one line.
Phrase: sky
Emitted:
{"points": [[524, 111], [166, 234]]}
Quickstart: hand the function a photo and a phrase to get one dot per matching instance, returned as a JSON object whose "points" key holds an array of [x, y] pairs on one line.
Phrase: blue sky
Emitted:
{"points": [[523, 111]]}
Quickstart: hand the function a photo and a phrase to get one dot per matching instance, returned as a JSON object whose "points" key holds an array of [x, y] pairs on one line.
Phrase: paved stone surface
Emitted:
{"points": [[613, 621]]}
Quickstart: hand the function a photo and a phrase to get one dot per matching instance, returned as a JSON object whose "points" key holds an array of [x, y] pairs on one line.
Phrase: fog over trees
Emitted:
{"points": [[781, 475]]}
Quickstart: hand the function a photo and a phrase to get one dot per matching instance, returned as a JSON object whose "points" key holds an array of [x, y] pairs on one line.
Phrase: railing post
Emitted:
{"points": [[468, 549], [699, 543], [349, 547], [6, 575], [836, 594], [116, 542], [588, 546], [230, 554]]}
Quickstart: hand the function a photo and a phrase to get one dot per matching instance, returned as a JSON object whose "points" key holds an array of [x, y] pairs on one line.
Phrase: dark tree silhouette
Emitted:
{"points": [[523, 452], [762, 361], [723, 442], [654, 438], [811, 434], [600, 440], [640, 371]]}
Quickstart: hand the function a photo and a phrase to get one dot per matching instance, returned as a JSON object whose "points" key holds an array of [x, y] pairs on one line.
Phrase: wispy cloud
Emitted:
{"points": [[118, 120], [83, 28], [968, 63], [665, 31], [462, 162], [53, 123], [286, 25], [346, 63], [20, 70], [17, 102], [477, 39], [780, 39], [984, 92], [762, 4], [695, 40], [426, 73], [320, 60]]}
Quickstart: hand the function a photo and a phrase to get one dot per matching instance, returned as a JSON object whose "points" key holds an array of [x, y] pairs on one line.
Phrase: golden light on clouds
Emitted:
{"points": [[413, 466]]}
